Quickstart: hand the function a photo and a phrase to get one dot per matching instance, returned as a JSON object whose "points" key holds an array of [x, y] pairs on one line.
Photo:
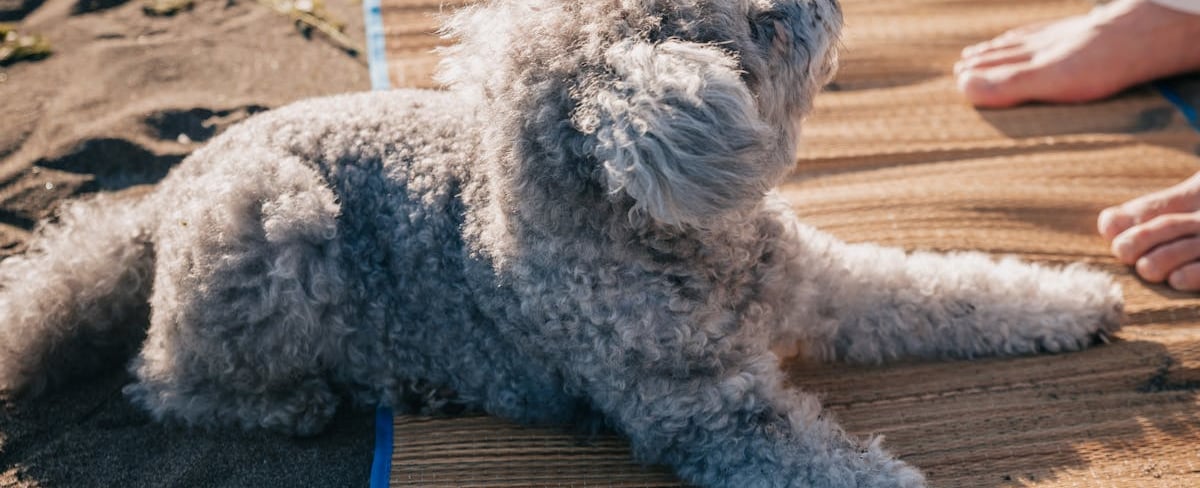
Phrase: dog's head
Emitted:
{"points": [[688, 108]]}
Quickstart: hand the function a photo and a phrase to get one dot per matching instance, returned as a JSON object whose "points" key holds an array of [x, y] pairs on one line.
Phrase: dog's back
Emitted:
{"points": [[395, 164]]}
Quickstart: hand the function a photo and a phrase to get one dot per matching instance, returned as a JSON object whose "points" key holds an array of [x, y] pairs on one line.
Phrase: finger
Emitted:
{"points": [[1186, 278], [1139, 239], [1161, 261], [1113, 221]]}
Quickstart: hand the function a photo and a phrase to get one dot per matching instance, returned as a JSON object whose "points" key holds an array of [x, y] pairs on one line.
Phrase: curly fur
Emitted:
{"points": [[581, 227]]}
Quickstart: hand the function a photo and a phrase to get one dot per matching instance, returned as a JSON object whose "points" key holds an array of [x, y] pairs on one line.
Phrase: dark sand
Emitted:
{"points": [[124, 97]]}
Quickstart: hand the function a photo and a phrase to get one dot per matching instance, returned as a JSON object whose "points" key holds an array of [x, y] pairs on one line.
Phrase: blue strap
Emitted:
{"points": [[376, 50], [381, 467], [1185, 108]]}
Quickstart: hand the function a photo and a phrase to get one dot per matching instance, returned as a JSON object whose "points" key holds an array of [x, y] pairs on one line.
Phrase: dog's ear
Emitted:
{"points": [[674, 126]]}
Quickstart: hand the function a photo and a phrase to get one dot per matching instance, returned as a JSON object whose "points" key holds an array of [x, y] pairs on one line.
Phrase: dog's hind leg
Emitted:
{"points": [[76, 301], [245, 322], [869, 303]]}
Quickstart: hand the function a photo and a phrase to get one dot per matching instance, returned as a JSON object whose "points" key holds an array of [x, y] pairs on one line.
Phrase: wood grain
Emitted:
{"points": [[893, 155]]}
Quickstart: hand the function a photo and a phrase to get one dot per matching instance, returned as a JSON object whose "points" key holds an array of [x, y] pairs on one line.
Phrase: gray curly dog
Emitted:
{"points": [[581, 227]]}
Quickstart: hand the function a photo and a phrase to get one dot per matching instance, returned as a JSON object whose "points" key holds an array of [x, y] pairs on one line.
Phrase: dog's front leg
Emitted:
{"points": [[737, 426], [868, 303]]}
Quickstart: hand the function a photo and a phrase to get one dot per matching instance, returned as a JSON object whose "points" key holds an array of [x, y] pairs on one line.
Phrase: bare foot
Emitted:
{"points": [[1159, 234], [1081, 58]]}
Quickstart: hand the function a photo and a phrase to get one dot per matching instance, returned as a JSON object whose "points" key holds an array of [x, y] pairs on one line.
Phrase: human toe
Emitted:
{"points": [[998, 86], [1136, 241], [993, 58], [1010, 38], [990, 45], [1162, 261]]}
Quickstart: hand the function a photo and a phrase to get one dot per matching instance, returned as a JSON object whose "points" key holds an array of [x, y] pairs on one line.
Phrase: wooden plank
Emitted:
{"points": [[894, 155]]}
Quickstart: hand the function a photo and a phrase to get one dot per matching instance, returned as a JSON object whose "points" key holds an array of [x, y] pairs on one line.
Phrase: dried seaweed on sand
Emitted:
{"points": [[15, 46], [310, 15], [166, 8]]}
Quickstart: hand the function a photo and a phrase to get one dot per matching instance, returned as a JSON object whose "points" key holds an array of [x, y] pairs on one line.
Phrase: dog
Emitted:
{"points": [[580, 228]]}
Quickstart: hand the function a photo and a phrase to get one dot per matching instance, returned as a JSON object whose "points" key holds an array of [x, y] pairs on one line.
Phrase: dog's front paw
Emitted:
{"points": [[1086, 309]]}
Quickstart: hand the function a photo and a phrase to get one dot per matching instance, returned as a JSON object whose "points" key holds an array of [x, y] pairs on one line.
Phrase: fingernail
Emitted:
{"points": [[1146, 269], [1122, 247], [1105, 220], [1176, 281]]}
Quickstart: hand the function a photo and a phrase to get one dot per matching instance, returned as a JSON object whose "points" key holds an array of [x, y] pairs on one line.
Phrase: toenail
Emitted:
{"points": [[970, 82], [960, 82]]}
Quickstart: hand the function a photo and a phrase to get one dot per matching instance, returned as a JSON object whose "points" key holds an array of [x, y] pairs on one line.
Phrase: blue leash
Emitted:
{"points": [[376, 51], [381, 466], [1185, 108]]}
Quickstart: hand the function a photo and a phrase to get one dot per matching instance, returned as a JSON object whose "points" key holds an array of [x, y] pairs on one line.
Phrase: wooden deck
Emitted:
{"points": [[893, 155]]}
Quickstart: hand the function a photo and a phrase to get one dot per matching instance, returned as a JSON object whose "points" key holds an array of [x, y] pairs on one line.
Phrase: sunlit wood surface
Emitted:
{"points": [[893, 155]]}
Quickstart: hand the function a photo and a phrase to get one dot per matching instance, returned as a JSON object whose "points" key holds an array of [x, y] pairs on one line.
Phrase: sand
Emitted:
{"points": [[124, 97]]}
